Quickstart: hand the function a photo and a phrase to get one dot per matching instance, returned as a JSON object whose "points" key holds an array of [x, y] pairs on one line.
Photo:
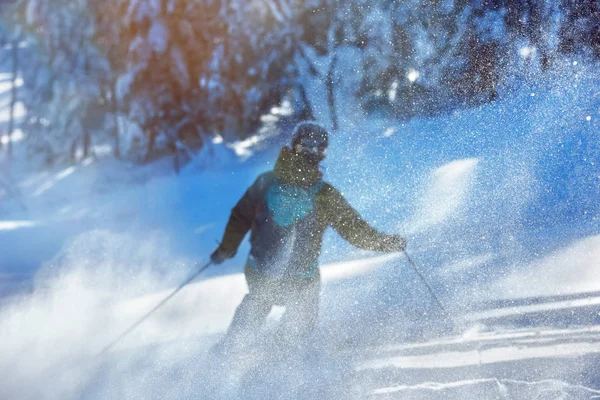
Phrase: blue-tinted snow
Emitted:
{"points": [[500, 205]]}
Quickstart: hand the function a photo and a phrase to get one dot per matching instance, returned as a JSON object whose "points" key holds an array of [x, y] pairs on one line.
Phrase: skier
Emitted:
{"points": [[287, 211]]}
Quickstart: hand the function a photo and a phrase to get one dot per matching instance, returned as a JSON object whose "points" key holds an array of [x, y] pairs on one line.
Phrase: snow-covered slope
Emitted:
{"points": [[501, 206], [52, 340]]}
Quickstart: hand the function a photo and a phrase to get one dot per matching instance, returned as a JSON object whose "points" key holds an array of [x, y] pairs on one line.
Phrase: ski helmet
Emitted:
{"points": [[310, 139]]}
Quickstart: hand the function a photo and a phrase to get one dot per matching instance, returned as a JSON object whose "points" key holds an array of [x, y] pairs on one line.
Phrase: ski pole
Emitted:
{"points": [[414, 265], [132, 327]]}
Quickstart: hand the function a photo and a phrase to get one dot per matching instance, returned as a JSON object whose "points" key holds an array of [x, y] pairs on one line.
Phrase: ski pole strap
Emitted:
{"points": [[414, 266], [135, 325]]}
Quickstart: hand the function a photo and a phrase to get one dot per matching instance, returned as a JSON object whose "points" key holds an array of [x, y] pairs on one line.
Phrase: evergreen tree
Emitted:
{"points": [[580, 29]]}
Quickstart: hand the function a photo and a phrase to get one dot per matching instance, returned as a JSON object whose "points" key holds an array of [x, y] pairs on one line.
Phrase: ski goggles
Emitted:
{"points": [[312, 146]]}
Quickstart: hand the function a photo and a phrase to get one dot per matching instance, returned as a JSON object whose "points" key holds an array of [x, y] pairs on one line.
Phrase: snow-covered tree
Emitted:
{"points": [[10, 43], [580, 29], [204, 67], [61, 76], [183, 71]]}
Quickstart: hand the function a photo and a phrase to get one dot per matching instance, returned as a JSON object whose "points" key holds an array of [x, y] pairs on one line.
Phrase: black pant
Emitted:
{"points": [[299, 296]]}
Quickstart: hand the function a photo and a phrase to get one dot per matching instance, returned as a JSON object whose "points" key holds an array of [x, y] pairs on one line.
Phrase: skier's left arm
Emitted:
{"points": [[353, 228]]}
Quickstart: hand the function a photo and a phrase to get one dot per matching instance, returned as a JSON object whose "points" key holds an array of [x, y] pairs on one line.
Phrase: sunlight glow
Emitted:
{"points": [[285, 109], [389, 132], [19, 112], [49, 184], [393, 91], [413, 75], [64, 173], [16, 136], [11, 225], [446, 193], [242, 148], [217, 139], [526, 51], [349, 269]]}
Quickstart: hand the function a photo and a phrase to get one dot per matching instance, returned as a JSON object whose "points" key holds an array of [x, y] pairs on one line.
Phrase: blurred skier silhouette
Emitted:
{"points": [[287, 210]]}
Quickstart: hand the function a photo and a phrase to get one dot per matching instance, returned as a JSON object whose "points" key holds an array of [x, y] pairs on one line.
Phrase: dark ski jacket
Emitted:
{"points": [[287, 211]]}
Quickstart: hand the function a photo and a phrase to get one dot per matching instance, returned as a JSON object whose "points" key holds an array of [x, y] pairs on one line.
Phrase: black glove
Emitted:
{"points": [[396, 243], [219, 255]]}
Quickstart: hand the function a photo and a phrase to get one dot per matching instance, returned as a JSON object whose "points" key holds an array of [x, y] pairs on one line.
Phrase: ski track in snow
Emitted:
{"points": [[506, 388], [168, 351]]}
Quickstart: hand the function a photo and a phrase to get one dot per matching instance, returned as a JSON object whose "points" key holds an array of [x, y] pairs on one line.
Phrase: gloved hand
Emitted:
{"points": [[219, 255], [396, 243]]}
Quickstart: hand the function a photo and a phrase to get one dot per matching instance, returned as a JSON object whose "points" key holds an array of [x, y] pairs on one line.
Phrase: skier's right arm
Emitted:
{"points": [[240, 220]]}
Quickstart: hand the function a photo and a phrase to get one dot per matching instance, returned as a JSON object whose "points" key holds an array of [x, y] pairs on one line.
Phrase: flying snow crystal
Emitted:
{"points": [[413, 75], [588, 118], [217, 139], [574, 62], [393, 90], [526, 51], [389, 132]]}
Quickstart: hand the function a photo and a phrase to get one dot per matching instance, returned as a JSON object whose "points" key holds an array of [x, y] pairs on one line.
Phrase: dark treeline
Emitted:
{"points": [[180, 71]]}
